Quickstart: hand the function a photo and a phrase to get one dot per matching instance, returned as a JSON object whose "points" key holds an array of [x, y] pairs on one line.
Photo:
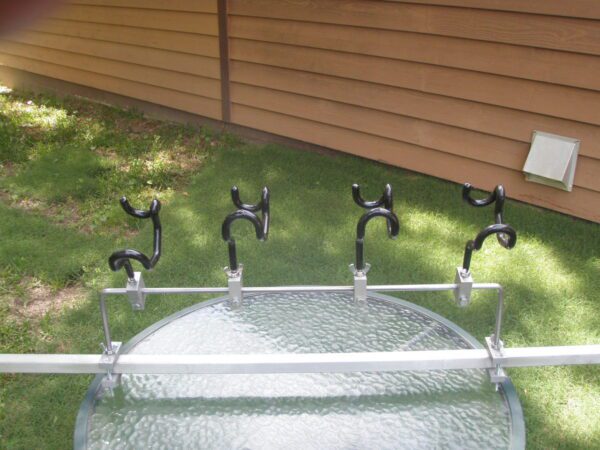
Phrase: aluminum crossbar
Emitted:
{"points": [[273, 289], [302, 362]]}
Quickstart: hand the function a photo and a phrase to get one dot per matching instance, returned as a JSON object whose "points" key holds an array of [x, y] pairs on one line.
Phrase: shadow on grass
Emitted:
{"points": [[31, 246], [59, 173]]}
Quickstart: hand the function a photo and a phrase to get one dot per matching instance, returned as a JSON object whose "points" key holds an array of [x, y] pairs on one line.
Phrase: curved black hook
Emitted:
{"points": [[385, 201], [246, 211], [476, 244], [122, 258], [394, 229], [498, 196], [262, 206]]}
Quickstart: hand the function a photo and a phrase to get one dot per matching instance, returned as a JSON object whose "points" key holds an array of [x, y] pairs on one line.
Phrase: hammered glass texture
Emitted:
{"points": [[435, 409]]}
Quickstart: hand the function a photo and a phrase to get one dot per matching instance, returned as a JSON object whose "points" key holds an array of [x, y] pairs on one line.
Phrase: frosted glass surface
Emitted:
{"points": [[436, 409]]}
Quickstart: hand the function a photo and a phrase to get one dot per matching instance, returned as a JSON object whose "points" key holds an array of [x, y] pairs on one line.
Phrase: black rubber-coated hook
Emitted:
{"points": [[385, 201], [394, 229], [477, 243], [498, 196], [384, 207], [122, 258], [246, 211]]}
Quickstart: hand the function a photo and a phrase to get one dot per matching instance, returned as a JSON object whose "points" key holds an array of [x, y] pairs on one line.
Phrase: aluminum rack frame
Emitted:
{"points": [[494, 358]]}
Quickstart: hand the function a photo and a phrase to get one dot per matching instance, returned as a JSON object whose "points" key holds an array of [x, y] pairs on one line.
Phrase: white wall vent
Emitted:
{"points": [[552, 160]]}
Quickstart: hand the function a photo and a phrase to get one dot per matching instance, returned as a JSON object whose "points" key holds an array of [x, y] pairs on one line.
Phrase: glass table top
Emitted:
{"points": [[425, 409]]}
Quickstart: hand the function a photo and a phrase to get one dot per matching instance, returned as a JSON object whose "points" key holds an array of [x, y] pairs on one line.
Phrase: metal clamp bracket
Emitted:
{"points": [[497, 374], [135, 293], [235, 284], [107, 361], [464, 282], [360, 282]]}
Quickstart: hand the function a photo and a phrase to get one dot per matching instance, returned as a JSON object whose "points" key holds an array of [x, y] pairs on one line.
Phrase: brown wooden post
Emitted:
{"points": [[224, 60]]}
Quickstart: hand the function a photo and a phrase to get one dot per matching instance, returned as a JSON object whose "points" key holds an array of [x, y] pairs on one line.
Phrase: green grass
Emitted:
{"points": [[59, 230]]}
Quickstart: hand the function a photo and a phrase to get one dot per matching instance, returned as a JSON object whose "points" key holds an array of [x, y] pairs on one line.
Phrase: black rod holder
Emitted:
{"points": [[122, 258], [505, 234], [477, 243], [377, 208], [385, 201], [498, 197], [246, 212], [393, 226]]}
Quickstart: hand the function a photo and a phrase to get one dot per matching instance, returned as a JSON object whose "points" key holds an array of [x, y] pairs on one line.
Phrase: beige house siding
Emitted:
{"points": [[165, 52], [451, 88]]}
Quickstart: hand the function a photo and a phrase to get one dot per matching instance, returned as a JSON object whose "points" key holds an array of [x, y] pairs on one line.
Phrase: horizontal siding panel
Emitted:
{"points": [[543, 98], [491, 149], [197, 44], [502, 59], [174, 99], [581, 202], [451, 88], [489, 119], [175, 61], [199, 23], [482, 147], [192, 84], [577, 35], [587, 173], [205, 6], [585, 9]]}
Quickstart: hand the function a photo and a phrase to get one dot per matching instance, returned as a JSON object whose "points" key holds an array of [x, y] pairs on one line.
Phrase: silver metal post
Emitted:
{"points": [[107, 339], [499, 312]]}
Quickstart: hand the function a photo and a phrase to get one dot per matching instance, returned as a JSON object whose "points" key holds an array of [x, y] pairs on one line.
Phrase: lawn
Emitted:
{"points": [[65, 162]]}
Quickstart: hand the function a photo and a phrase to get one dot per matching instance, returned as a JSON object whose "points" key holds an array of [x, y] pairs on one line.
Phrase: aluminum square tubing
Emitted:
{"points": [[302, 363]]}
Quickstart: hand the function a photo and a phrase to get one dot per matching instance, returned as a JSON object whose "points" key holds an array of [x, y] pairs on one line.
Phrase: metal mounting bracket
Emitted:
{"points": [[107, 361], [464, 281], [360, 283], [497, 374], [235, 284], [134, 289]]}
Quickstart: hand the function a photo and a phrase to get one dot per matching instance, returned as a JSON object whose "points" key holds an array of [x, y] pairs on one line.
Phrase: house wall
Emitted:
{"points": [[453, 89], [450, 88], [166, 52]]}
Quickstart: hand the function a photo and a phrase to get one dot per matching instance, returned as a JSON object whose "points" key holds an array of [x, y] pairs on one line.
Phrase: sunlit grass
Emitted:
{"points": [[59, 230], [53, 152]]}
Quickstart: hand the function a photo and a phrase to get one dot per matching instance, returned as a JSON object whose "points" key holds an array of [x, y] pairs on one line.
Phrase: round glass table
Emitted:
{"points": [[375, 410]]}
